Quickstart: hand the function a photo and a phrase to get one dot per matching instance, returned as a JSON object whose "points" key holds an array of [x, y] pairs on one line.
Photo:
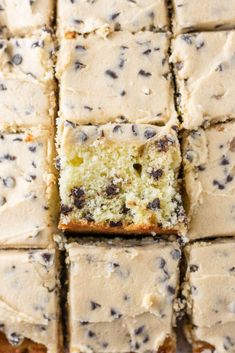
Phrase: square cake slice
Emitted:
{"points": [[27, 95], [27, 189], [23, 17], [205, 71], [120, 178], [112, 308], [209, 165], [210, 292], [88, 16], [191, 15], [122, 78], [29, 312]]}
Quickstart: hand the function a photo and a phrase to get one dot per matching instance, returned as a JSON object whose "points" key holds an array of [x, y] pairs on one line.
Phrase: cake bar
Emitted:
{"points": [[27, 189], [120, 178], [191, 15], [27, 96], [210, 291], [209, 164], [88, 16], [23, 17], [29, 310], [205, 69], [112, 308], [122, 78]]}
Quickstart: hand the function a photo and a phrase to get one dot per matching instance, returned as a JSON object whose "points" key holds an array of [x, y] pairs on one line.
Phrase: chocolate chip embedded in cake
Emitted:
{"points": [[120, 178], [212, 326], [27, 189], [27, 96], [204, 66], [111, 307], [29, 311], [88, 16], [209, 164], [122, 78], [191, 15], [23, 17]]}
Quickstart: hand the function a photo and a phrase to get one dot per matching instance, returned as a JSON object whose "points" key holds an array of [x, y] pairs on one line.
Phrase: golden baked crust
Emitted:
{"points": [[199, 347], [27, 346], [85, 226], [169, 346]]}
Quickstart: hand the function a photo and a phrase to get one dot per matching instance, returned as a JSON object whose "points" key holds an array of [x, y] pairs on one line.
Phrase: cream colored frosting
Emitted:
{"points": [[28, 297], [121, 78], [113, 308], [26, 189], [203, 14], [205, 68], [20, 17], [27, 95], [209, 160], [211, 280], [87, 16]]}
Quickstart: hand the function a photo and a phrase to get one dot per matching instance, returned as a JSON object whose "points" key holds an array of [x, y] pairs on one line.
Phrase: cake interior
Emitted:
{"points": [[121, 184]]}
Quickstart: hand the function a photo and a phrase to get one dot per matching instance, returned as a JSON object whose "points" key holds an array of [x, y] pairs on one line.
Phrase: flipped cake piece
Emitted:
{"points": [[209, 163], [112, 307], [23, 17], [29, 311], [27, 189], [191, 15], [122, 78], [120, 178], [27, 96], [210, 291], [205, 69], [87, 16]]}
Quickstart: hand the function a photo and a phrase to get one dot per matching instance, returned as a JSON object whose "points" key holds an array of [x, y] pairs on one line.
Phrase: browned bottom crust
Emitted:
{"points": [[130, 229], [199, 347], [27, 346]]}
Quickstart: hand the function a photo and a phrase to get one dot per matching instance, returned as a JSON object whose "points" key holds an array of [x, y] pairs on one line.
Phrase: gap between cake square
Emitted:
{"points": [[110, 310], [123, 77], [210, 292], [120, 179]]}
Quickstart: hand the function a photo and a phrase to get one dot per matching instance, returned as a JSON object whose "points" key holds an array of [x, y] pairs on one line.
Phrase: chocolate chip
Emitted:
{"points": [[9, 182], [91, 334], [139, 330], [79, 203], [83, 136], [94, 305], [84, 323], [147, 52], [161, 263], [123, 93], [80, 47], [124, 209], [218, 184], [138, 168], [171, 290], [15, 339], [224, 161], [201, 168], [155, 204], [17, 59], [137, 345], [117, 129], [3, 200], [111, 74], [112, 190], [46, 257], [193, 268], [176, 254], [8, 157], [114, 16], [229, 178], [65, 209], [149, 133], [144, 73], [156, 173], [114, 312], [105, 344], [78, 65], [77, 192], [115, 224], [187, 38], [163, 144], [3, 87], [134, 129], [146, 339], [32, 148]]}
